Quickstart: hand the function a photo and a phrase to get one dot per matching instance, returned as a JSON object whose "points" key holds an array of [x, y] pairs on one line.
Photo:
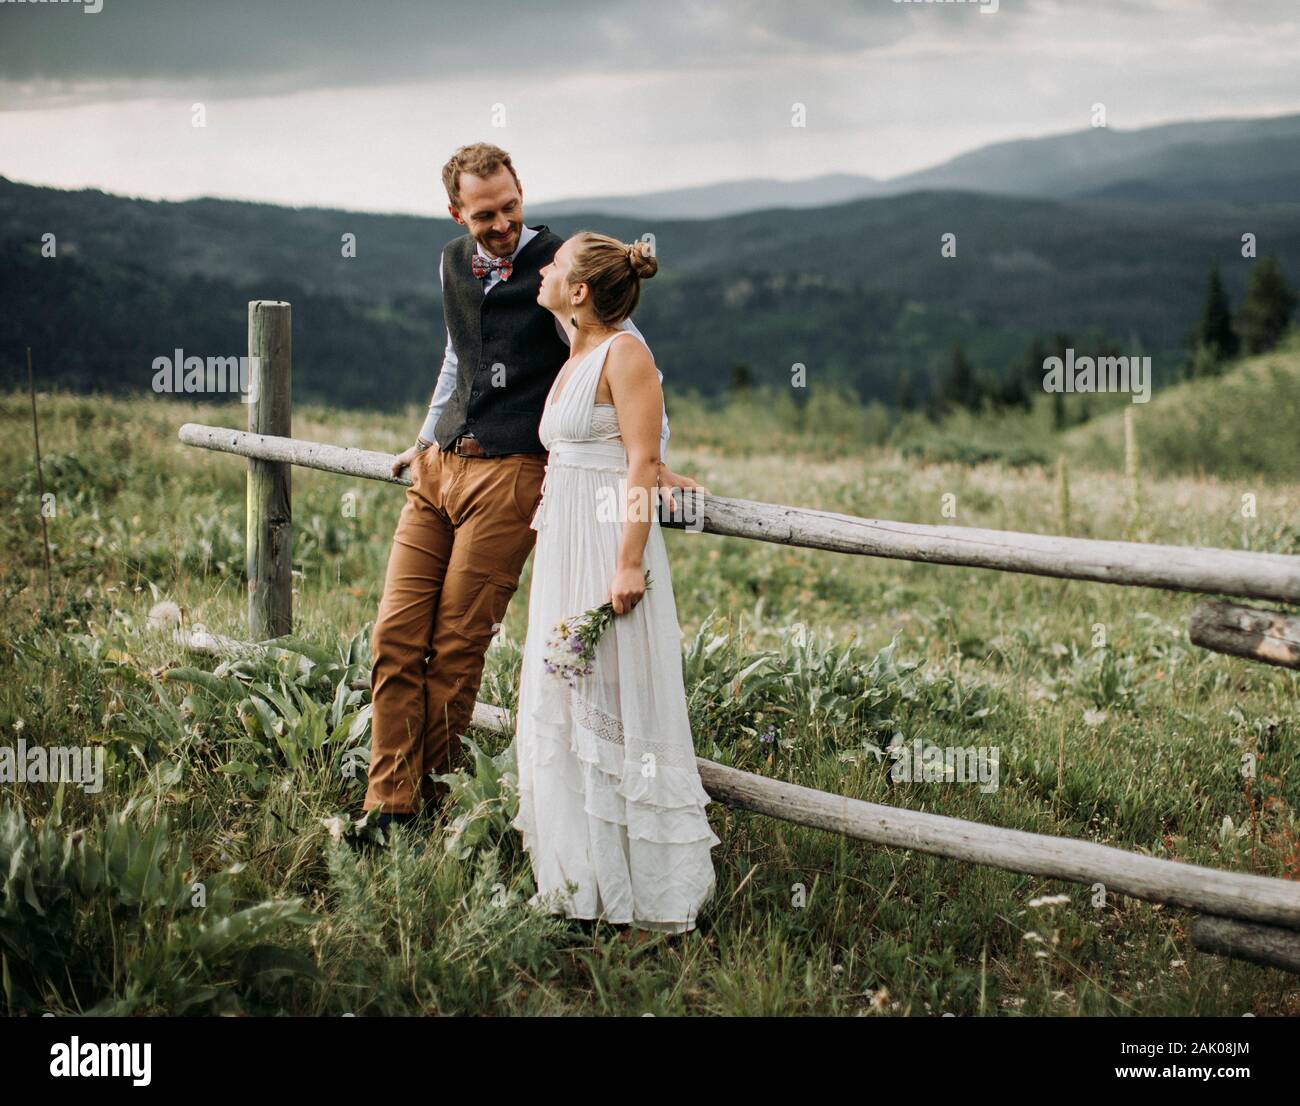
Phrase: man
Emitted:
{"points": [[464, 534]]}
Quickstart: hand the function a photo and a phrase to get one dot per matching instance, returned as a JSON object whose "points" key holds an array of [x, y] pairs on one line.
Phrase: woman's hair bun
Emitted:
{"points": [[642, 259]]}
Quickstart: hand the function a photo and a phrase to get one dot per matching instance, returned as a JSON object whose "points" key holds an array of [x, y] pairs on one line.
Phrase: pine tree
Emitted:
{"points": [[1032, 370], [1056, 347], [934, 411], [1267, 310], [905, 396], [958, 386], [1214, 333], [1011, 391]]}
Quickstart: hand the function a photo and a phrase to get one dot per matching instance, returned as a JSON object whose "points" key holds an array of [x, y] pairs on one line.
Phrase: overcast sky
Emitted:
{"points": [[357, 103]]}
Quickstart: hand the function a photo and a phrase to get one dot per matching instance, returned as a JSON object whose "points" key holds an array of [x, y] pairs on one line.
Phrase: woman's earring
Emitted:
{"points": [[574, 320]]}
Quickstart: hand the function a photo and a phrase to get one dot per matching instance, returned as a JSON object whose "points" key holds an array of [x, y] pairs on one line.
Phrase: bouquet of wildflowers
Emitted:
{"points": [[572, 647]]}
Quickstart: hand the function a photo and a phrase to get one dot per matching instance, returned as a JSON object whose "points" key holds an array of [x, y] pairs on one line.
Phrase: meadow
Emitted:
{"points": [[212, 874]]}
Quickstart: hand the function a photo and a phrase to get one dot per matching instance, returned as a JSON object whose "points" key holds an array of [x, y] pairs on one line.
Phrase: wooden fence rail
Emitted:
{"points": [[1253, 917], [1270, 637], [1172, 567]]}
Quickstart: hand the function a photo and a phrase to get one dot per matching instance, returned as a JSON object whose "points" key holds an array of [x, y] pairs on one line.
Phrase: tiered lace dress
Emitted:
{"points": [[611, 807]]}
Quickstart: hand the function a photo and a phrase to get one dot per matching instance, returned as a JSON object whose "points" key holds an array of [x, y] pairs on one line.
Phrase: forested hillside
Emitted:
{"points": [[857, 293]]}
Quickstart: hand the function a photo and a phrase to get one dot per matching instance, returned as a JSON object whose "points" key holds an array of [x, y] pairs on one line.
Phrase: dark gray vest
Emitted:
{"points": [[508, 350]]}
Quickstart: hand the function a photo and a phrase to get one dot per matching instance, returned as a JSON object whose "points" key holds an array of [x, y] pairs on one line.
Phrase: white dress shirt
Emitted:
{"points": [[446, 384]]}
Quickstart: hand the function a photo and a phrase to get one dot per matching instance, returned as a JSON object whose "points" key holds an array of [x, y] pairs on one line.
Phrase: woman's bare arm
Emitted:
{"points": [[639, 401]]}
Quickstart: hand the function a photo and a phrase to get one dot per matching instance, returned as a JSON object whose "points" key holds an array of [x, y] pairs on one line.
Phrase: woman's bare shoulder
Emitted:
{"points": [[629, 361]]}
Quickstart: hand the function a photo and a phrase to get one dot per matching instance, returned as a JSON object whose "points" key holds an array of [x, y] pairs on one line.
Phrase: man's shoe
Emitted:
{"points": [[367, 834]]}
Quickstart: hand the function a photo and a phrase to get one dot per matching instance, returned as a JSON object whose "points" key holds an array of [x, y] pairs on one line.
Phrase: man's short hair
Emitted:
{"points": [[482, 159]]}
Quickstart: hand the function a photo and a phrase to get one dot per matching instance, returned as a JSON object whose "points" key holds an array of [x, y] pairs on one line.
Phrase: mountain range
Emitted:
{"points": [[1222, 160], [1106, 235]]}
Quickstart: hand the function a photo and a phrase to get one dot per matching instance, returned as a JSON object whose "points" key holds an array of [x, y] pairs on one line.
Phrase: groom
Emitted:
{"points": [[464, 534]]}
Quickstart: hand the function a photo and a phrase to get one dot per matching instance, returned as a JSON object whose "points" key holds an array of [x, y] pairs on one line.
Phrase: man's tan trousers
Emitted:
{"points": [[460, 545]]}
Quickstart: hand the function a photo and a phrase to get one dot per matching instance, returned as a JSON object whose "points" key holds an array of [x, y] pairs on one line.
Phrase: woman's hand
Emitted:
{"points": [[405, 458], [669, 480], [626, 589]]}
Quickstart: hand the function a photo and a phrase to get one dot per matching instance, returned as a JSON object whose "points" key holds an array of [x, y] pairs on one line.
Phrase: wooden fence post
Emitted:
{"points": [[1133, 472], [269, 551]]}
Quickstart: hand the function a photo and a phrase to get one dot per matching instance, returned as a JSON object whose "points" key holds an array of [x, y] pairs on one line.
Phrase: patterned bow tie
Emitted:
{"points": [[484, 265]]}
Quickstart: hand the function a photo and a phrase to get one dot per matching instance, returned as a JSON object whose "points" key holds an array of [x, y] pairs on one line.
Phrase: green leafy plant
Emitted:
{"points": [[482, 801], [178, 941]]}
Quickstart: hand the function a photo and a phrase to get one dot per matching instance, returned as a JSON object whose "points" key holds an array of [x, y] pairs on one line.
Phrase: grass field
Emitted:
{"points": [[207, 877]]}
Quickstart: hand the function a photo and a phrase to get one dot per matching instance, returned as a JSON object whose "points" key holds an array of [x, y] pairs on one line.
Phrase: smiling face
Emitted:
{"points": [[555, 293], [492, 210]]}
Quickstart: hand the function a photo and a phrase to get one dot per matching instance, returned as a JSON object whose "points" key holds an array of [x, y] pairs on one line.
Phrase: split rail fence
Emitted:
{"points": [[1251, 917]]}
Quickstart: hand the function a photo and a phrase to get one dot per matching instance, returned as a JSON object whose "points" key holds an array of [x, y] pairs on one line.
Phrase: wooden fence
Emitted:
{"points": [[1247, 916]]}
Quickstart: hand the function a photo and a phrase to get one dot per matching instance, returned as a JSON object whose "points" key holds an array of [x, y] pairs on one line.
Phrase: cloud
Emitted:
{"points": [[356, 103], [57, 53], [54, 54]]}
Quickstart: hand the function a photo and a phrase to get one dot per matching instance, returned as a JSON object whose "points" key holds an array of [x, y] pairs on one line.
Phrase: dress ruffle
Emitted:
{"points": [[664, 844], [665, 805]]}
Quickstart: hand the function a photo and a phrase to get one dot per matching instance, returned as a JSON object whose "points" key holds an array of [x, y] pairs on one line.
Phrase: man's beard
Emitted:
{"points": [[503, 247]]}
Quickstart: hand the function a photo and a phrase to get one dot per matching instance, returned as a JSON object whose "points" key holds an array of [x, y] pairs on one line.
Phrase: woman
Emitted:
{"points": [[611, 807]]}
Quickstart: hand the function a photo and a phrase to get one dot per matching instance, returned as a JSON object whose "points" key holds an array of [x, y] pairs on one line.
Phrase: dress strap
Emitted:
{"points": [[586, 397]]}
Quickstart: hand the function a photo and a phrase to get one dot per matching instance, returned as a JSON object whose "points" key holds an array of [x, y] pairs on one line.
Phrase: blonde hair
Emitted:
{"points": [[613, 270], [482, 159]]}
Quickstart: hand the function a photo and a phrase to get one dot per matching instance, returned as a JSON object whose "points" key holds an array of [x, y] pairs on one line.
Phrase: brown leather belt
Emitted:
{"points": [[467, 447]]}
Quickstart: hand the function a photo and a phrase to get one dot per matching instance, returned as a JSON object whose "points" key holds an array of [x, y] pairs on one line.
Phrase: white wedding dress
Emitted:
{"points": [[610, 799]]}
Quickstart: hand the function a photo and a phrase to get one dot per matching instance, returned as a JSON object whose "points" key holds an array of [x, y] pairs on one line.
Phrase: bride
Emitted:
{"points": [[611, 807]]}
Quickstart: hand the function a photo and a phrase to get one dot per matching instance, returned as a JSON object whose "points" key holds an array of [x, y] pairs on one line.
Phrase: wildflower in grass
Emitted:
{"points": [[572, 646], [164, 615], [1049, 900]]}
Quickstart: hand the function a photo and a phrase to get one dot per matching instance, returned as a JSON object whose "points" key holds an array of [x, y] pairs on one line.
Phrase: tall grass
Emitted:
{"points": [[213, 873]]}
